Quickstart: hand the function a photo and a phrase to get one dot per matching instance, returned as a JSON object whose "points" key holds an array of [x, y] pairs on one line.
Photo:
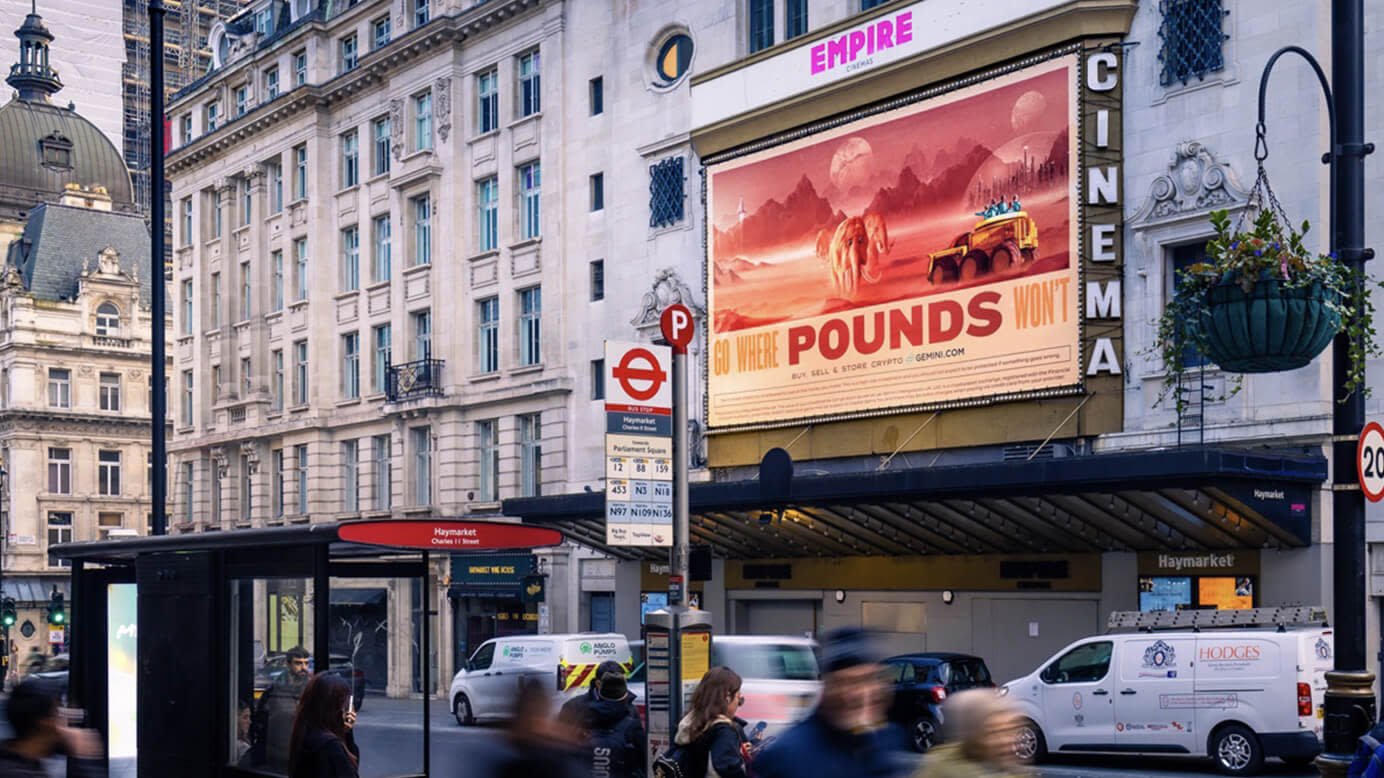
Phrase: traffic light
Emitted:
{"points": [[9, 614], [56, 615]]}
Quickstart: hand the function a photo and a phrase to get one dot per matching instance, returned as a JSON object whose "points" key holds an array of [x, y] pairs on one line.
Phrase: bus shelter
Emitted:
{"points": [[181, 645]]}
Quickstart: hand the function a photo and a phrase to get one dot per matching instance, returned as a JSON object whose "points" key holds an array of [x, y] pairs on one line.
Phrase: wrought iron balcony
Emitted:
{"points": [[421, 378]]}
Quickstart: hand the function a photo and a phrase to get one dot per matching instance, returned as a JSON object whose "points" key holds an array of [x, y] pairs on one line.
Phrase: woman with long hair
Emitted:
{"points": [[322, 745], [709, 726]]}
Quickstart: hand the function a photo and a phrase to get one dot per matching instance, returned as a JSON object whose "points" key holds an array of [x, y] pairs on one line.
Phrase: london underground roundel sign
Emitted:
{"points": [[444, 535], [1369, 461]]}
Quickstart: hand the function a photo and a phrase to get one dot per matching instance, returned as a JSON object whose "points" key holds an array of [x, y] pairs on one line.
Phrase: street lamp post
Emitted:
{"points": [[1350, 700], [159, 411]]}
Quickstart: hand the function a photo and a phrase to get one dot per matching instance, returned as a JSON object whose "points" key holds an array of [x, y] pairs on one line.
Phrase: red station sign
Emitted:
{"points": [[444, 535]]}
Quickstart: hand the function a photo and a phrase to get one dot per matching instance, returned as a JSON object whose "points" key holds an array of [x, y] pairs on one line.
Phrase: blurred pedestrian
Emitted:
{"points": [[540, 744], [574, 711], [39, 733], [614, 736], [242, 730], [709, 727], [322, 744], [848, 733], [980, 728]]}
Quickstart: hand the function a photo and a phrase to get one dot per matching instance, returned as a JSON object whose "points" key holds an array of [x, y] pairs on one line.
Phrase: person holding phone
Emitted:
{"points": [[322, 745]]}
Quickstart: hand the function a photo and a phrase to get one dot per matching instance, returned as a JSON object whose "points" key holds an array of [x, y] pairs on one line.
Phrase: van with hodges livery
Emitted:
{"points": [[485, 689], [1235, 685]]}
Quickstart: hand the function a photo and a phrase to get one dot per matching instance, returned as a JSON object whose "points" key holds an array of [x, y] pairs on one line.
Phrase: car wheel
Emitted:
{"points": [[461, 708], [1029, 745], [1005, 257], [923, 733], [1237, 751]]}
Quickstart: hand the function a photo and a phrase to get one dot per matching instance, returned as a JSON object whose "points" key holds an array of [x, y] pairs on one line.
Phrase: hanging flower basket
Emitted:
{"points": [[1272, 328]]}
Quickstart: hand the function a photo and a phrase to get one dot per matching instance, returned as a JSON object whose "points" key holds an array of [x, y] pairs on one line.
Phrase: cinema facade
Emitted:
{"points": [[922, 251]]}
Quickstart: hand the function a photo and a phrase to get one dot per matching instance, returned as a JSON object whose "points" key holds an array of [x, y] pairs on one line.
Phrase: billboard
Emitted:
{"points": [[918, 257]]}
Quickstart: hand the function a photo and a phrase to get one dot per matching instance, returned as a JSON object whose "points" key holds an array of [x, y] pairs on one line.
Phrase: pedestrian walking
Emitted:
{"points": [[540, 744], [614, 737], [709, 728], [980, 728], [573, 712], [39, 733], [322, 745], [848, 733]]}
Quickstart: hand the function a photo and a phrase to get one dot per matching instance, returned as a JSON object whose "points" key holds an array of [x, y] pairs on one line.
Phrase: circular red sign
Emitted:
{"points": [[445, 535], [645, 369], [678, 328], [1369, 461]]}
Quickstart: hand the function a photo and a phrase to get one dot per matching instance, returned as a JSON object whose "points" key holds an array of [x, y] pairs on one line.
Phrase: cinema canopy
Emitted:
{"points": [[911, 353]]}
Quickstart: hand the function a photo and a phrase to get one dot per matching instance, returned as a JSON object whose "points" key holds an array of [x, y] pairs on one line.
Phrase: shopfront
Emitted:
{"points": [[492, 595]]}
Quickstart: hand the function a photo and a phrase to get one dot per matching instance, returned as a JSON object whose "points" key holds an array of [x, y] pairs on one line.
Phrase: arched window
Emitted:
{"points": [[107, 319]]}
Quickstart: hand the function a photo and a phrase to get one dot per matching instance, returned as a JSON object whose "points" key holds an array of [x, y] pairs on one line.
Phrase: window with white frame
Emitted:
{"points": [[213, 115], [280, 477], [300, 68], [245, 201], [795, 19], [59, 532], [350, 259], [488, 213], [246, 492], [215, 305], [421, 209], [300, 272], [488, 101], [187, 306], [350, 159], [108, 319], [109, 392], [380, 31], [421, 441], [271, 84], [530, 455], [276, 187], [277, 358], [422, 121], [59, 470], [488, 444], [350, 365], [187, 398], [530, 85], [422, 12], [216, 212], [488, 338], [381, 472], [189, 485], [762, 24], [530, 181], [300, 456], [264, 21], [381, 336], [300, 172], [187, 221], [530, 326], [245, 378], [246, 293], [350, 476], [422, 334], [381, 260], [300, 372], [59, 387], [380, 128], [242, 100], [108, 473], [186, 123], [348, 53], [277, 260]]}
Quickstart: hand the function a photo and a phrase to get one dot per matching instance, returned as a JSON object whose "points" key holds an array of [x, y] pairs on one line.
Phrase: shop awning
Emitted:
{"points": [[1176, 499]]}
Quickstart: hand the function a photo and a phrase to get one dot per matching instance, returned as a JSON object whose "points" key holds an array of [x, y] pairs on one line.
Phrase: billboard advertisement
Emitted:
{"points": [[918, 257], [122, 639]]}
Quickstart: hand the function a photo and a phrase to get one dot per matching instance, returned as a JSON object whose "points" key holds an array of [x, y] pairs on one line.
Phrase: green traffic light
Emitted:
{"points": [[58, 617]]}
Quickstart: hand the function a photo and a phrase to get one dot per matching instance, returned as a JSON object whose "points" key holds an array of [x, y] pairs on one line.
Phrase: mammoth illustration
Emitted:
{"points": [[879, 246], [824, 244], [849, 248]]}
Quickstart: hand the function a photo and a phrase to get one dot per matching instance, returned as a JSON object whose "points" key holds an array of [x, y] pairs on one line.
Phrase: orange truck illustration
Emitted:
{"points": [[995, 245]]}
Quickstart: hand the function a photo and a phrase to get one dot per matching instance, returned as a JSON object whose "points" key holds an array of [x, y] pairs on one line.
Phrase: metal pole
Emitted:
{"points": [[426, 654], [678, 594], [159, 411]]}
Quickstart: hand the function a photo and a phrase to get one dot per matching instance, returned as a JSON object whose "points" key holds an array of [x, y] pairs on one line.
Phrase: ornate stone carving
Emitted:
{"points": [[218, 461], [247, 450], [1196, 182], [108, 261], [668, 288], [396, 127], [443, 90]]}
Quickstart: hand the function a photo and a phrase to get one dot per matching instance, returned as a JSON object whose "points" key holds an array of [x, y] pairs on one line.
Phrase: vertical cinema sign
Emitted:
{"points": [[1103, 215]]}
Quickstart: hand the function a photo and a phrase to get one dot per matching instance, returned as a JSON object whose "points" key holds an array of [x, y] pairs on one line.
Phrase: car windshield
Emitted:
{"points": [[771, 661]]}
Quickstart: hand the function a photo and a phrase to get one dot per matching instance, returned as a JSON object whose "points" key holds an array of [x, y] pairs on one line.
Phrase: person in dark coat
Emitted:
{"points": [[322, 745], [272, 724], [614, 734], [573, 712], [539, 744], [39, 733], [848, 733]]}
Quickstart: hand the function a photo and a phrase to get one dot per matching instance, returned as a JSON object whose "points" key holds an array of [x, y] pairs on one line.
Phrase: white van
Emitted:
{"points": [[484, 690], [781, 682], [1238, 695]]}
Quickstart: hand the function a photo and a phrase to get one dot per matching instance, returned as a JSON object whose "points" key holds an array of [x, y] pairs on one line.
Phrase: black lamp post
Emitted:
{"points": [[1350, 700], [159, 411]]}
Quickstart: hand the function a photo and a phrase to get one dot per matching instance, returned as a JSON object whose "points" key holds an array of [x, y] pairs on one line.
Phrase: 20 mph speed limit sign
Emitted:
{"points": [[1369, 461]]}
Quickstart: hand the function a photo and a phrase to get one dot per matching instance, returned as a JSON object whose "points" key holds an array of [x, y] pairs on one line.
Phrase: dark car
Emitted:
{"points": [[922, 683]]}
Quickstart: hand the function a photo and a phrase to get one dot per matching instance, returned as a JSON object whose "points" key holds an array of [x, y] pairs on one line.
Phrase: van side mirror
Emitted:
{"points": [[1047, 674]]}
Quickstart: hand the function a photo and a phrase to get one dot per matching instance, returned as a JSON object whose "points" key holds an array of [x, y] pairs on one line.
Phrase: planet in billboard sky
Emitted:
{"points": [[850, 165], [1028, 109]]}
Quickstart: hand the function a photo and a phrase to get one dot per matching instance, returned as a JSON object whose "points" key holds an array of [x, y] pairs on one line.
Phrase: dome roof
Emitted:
{"points": [[47, 147]]}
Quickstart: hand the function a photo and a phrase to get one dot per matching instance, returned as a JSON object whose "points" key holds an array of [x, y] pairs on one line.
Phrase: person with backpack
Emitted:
{"points": [[709, 743], [614, 736], [574, 711]]}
